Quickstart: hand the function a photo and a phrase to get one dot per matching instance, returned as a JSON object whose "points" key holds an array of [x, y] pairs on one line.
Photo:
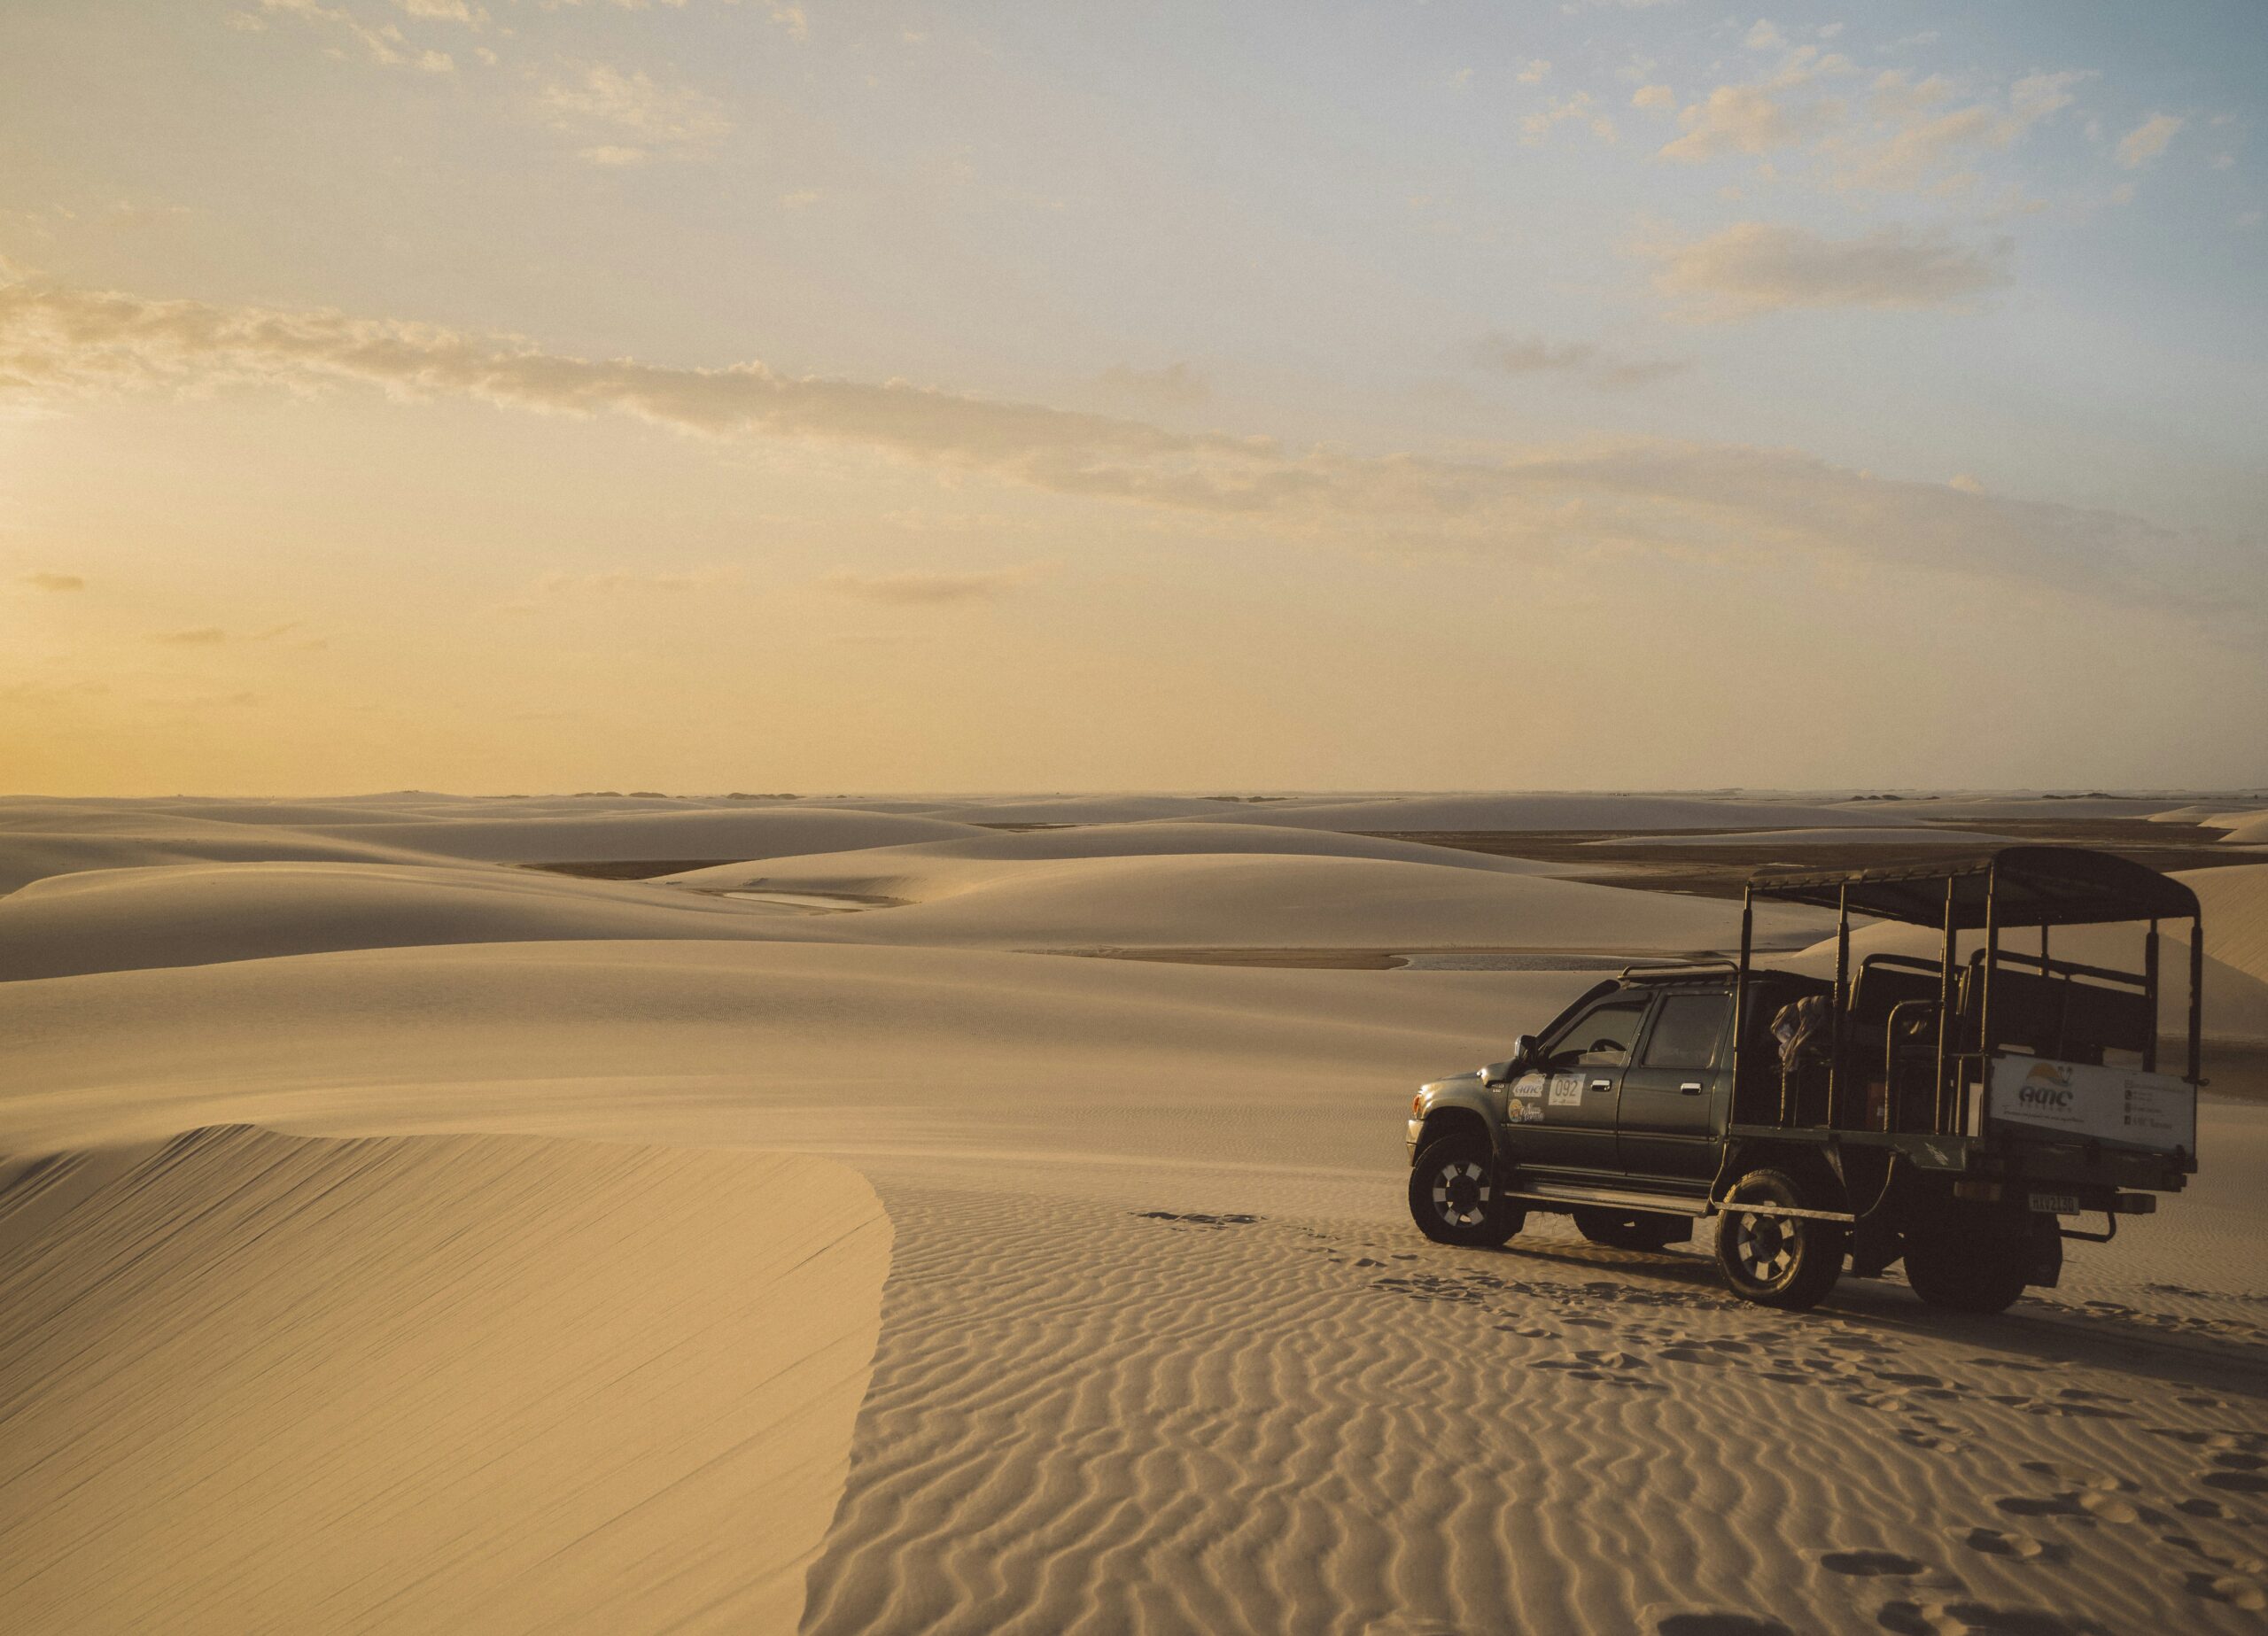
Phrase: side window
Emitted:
{"points": [[1686, 1031], [1601, 1036]]}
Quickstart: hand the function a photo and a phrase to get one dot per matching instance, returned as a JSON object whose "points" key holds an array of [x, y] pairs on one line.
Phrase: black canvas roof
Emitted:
{"points": [[2032, 885]]}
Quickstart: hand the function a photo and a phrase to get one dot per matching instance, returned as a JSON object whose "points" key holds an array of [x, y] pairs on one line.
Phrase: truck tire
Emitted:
{"points": [[1632, 1229], [1789, 1262], [1454, 1196], [1969, 1259]]}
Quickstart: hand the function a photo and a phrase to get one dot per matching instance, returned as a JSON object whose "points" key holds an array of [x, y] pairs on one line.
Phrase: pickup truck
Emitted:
{"points": [[1953, 1114]]}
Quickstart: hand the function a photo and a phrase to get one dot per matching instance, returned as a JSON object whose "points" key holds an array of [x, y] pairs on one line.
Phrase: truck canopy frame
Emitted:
{"points": [[1989, 892]]}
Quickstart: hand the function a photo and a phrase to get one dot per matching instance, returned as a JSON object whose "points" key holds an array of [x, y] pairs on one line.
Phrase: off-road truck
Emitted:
{"points": [[1956, 1112]]}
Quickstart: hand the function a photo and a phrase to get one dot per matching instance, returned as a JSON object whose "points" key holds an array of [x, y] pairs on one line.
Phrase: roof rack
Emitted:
{"points": [[1664, 971]]}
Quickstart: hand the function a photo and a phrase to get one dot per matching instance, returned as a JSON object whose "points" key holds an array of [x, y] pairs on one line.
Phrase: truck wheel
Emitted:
{"points": [[1632, 1229], [1778, 1260], [1454, 1196], [1971, 1261]]}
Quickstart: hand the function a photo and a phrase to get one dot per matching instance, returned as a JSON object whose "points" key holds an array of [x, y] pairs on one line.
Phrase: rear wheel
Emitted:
{"points": [[1454, 1196], [1630, 1229], [1971, 1260], [1778, 1260]]}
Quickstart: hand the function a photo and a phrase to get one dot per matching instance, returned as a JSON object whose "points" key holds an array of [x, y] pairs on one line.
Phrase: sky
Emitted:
{"points": [[701, 395]]}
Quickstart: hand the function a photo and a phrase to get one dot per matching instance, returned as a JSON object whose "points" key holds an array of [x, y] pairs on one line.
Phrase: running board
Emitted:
{"points": [[1609, 1198]]}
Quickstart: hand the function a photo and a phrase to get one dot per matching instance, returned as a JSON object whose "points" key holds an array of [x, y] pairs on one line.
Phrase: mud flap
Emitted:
{"points": [[1875, 1244], [2046, 1265]]}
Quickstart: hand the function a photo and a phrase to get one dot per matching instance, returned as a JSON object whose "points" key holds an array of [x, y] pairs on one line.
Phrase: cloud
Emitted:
{"points": [[1764, 506], [1753, 267], [1911, 133], [921, 588], [1658, 97], [384, 44], [1517, 355], [617, 582], [1763, 37], [2137, 147], [1533, 71], [676, 120], [1537, 126], [1178, 385], [214, 636], [1759, 117], [55, 582]]}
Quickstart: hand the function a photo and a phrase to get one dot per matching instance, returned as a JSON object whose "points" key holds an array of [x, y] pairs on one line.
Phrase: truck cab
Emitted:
{"points": [[1951, 1112]]}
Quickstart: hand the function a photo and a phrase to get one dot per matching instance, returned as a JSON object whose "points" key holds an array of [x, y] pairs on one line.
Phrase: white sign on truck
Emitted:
{"points": [[2124, 1106]]}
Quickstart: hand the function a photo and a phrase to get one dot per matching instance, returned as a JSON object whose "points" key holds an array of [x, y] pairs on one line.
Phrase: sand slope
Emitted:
{"points": [[261, 1382], [1147, 839], [2235, 902], [672, 832], [123, 919], [1271, 900], [1517, 812], [44, 839]]}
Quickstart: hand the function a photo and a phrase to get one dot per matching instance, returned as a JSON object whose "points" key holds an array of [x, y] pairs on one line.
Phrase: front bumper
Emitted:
{"points": [[1417, 1127]]}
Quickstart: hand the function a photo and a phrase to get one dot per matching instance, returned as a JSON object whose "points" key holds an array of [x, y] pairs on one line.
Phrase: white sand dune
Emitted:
{"points": [[2235, 902], [2246, 829], [918, 859], [1265, 901], [118, 919], [1421, 813], [672, 832], [54, 839], [466, 1384]]}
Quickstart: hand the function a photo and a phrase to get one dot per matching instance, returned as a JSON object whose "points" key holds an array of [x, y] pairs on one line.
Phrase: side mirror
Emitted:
{"points": [[1498, 1072]]}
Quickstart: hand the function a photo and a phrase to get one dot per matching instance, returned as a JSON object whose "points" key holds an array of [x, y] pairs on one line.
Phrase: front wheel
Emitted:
{"points": [[1454, 1196], [1787, 1261]]}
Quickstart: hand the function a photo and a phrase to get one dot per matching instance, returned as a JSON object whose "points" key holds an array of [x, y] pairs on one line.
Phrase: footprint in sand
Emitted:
{"points": [[1718, 1624], [2016, 1546], [2237, 1590], [1980, 1619], [1871, 1564], [1934, 1442], [2236, 1482]]}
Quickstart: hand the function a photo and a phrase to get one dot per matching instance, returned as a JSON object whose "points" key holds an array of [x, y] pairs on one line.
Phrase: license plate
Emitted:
{"points": [[2055, 1204]]}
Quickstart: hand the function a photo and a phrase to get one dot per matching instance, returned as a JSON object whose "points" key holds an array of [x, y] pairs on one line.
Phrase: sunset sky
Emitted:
{"points": [[702, 396]]}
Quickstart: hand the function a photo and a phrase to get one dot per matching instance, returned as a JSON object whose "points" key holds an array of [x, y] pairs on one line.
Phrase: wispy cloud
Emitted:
{"points": [[1754, 267], [383, 44], [1176, 385], [2137, 147], [1683, 498], [653, 120], [55, 582], [1506, 354], [215, 636], [921, 588]]}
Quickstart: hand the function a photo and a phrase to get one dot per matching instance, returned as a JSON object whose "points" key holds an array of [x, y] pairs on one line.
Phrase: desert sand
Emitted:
{"points": [[405, 1239]]}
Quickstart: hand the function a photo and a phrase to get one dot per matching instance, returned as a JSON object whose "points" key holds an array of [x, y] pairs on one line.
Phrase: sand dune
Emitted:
{"points": [[1603, 812], [39, 841], [118, 919], [261, 1382], [1142, 840], [2235, 902], [1279, 901], [669, 832], [2246, 829]]}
